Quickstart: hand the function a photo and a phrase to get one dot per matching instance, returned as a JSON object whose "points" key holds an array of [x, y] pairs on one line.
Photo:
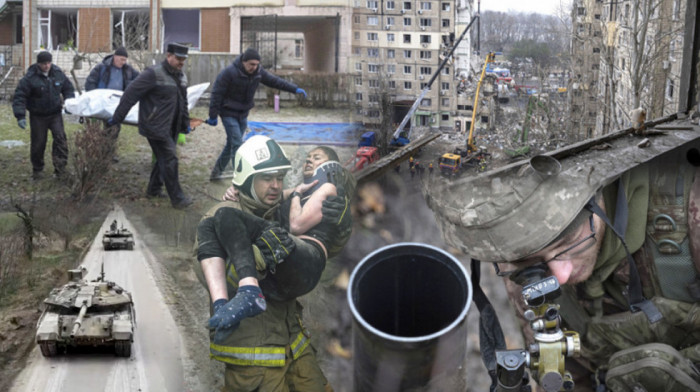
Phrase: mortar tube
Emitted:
{"points": [[409, 303]]}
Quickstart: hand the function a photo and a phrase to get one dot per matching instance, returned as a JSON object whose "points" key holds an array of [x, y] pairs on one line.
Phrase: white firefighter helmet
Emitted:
{"points": [[259, 154]]}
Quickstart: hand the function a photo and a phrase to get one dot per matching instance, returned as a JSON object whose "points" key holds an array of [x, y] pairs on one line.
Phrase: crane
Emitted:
{"points": [[470, 141]]}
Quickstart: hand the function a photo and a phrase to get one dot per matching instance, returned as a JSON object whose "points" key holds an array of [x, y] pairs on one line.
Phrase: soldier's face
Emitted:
{"points": [[175, 61], [118, 61], [268, 187], [313, 160], [45, 66]]}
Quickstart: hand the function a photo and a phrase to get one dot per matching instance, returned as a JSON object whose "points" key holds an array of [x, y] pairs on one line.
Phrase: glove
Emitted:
{"points": [[248, 302], [212, 121], [111, 122], [22, 123], [301, 91], [335, 211], [275, 244], [181, 139], [187, 131]]}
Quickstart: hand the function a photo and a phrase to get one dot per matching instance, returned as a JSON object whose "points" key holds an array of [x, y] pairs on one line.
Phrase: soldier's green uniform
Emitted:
{"points": [[514, 212]]}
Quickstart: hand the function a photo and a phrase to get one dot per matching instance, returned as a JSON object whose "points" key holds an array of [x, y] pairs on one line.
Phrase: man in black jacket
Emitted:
{"points": [[42, 91], [232, 98], [112, 73], [161, 91]]}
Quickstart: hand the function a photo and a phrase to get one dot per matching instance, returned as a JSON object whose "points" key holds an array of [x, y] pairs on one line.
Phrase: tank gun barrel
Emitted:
{"points": [[79, 320]]}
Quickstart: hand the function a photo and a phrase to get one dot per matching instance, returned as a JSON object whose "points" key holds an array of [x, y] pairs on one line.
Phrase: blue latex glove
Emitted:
{"points": [[248, 302], [212, 121], [111, 122], [301, 91], [188, 130], [22, 123]]}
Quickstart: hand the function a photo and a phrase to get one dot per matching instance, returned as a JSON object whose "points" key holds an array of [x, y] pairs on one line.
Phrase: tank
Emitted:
{"points": [[117, 238], [96, 313]]}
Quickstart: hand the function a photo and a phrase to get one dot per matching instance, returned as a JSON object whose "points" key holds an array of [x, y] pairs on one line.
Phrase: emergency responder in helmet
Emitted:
{"points": [[259, 154], [613, 226]]}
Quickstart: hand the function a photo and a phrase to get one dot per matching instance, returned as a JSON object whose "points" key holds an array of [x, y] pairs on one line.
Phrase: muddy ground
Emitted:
{"points": [[405, 217]]}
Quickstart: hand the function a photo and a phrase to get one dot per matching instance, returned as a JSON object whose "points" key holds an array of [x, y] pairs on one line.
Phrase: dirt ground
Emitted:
{"points": [[405, 218]]}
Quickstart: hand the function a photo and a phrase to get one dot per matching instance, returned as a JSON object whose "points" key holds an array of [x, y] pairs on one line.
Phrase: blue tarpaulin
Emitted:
{"points": [[338, 134]]}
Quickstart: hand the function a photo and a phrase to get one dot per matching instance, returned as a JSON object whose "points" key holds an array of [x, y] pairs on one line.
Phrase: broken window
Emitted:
{"points": [[407, 38], [445, 23], [425, 39], [130, 29], [181, 26], [57, 28]]}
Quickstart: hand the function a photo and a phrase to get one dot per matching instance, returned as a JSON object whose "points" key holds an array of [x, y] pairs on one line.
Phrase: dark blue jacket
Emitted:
{"points": [[41, 95], [234, 89], [161, 91], [99, 76]]}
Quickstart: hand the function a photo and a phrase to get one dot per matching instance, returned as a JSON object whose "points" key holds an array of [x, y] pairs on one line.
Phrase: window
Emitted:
{"points": [[596, 50], [407, 54], [391, 84], [298, 48], [358, 96], [372, 52], [356, 50], [581, 11], [406, 69], [445, 102], [356, 19], [425, 102], [444, 86], [372, 4], [407, 85], [446, 71], [407, 5], [372, 68], [390, 20], [358, 80], [391, 68], [445, 23], [390, 37], [425, 5], [426, 22], [373, 113], [426, 70], [372, 20], [390, 53], [424, 39], [130, 29], [406, 21], [374, 98], [182, 26], [373, 83], [407, 38], [357, 35], [424, 85], [372, 36], [390, 5], [445, 6], [426, 54], [669, 89]]}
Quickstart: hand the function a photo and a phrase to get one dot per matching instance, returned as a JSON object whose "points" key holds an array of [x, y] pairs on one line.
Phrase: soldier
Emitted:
{"points": [[622, 237], [42, 91]]}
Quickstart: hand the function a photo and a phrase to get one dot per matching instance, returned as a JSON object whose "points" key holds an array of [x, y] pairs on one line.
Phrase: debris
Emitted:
{"points": [[337, 350]]}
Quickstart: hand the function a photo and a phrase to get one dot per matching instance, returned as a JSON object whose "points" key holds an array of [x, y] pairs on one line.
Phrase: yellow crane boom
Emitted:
{"points": [[470, 145]]}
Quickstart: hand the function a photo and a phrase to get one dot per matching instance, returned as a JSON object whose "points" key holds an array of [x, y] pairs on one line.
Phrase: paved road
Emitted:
{"points": [[157, 352]]}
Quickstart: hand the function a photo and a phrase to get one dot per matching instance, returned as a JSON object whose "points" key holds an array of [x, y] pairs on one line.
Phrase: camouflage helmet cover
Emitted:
{"points": [[509, 213]]}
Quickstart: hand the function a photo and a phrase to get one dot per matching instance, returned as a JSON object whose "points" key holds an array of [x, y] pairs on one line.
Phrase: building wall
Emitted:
{"points": [[92, 34], [216, 30]]}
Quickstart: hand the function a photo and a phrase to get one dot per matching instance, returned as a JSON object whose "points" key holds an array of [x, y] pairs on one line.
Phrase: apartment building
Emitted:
{"points": [[641, 60], [396, 48], [587, 41]]}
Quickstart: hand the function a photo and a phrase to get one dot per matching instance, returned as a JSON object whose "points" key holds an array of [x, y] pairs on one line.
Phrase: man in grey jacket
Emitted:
{"points": [[232, 98]]}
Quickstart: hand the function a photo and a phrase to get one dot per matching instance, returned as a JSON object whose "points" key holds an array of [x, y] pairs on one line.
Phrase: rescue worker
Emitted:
{"points": [[161, 91], [619, 228], [288, 362], [232, 98], [410, 162], [430, 168], [42, 92]]}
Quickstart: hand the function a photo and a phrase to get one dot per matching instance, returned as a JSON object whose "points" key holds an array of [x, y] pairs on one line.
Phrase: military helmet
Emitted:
{"points": [[259, 154], [514, 211]]}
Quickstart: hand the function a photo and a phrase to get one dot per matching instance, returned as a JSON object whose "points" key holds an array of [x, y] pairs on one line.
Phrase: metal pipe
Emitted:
{"points": [[409, 303]]}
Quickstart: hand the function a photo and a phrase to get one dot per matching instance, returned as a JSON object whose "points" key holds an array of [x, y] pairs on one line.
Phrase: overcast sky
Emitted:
{"points": [[539, 6]]}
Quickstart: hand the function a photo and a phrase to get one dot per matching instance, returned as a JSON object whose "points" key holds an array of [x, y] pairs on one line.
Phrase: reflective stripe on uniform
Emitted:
{"points": [[258, 356], [299, 344], [232, 276], [248, 356]]}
